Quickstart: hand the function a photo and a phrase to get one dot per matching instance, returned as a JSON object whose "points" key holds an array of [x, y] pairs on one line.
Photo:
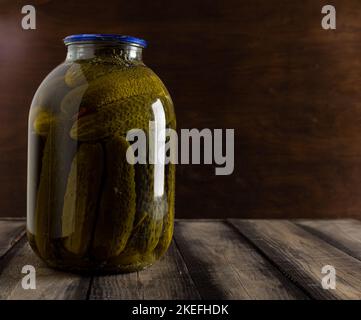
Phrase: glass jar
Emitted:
{"points": [[91, 206]]}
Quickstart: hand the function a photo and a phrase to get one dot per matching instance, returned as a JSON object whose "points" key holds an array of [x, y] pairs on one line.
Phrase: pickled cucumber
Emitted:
{"points": [[117, 205], [35, 155], [150, 211], [139, 249], [120, 85], [70, 105], [44, 200], [132, 260], [144, 186], [117, 85], [77, 74], [43, 121], [80, 201], [144, 238], [55, 168], [117, 117], [86, 71], [147, 235], [168, 220]]}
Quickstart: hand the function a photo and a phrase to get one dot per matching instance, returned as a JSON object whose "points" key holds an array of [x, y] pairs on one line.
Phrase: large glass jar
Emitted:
{"points": [[91, 206]]}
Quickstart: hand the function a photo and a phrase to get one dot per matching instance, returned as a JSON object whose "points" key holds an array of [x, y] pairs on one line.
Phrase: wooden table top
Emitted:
{"points": [[208, 259]]}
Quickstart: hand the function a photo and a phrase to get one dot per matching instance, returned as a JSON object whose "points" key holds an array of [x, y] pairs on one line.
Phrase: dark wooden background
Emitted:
{"points": [[291, 91]]}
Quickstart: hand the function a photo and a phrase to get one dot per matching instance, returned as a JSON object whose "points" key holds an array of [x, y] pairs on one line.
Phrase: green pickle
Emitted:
{"points": [[87, 71], [168, 223], [80, 200], [117, 205], [117, 117], [150, 209], [90, 208], [43, 121], [50, 196], [70, 103], [109, 88]]}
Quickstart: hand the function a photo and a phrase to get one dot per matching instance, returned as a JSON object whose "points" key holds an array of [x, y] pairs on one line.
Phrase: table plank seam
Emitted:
{"points": [[21, 235], [12, 219], [273, 263], [278, 272], [13, 244], [186, 266], [318, 235], [328, 239], [88, 293], [7, 257]]}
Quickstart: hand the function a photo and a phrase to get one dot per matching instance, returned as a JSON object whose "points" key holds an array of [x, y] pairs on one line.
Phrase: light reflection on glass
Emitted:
{"points": [[158, 155]]}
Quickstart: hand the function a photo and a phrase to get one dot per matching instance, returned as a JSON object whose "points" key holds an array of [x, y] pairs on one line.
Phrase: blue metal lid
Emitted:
{"points": [[84, 37]]}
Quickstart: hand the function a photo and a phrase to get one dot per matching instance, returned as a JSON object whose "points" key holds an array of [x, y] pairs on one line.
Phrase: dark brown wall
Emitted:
{"points": [[291, 90]]}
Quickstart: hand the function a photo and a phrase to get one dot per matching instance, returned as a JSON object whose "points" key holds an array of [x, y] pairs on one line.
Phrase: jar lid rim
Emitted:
{"points": [[89, 37]]}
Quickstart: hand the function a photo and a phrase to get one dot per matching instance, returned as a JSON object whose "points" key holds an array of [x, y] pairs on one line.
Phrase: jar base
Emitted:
{"points": [[63, 261]]}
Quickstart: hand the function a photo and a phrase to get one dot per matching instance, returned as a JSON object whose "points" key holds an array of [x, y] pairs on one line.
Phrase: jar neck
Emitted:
{"points": [[83, 51]]}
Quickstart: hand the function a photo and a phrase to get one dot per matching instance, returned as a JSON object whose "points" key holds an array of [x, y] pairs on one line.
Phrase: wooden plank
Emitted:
{"points": [[166, 279], [224, 266], [301, 256], [343, 234], [10, 233], [50, 284]]}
